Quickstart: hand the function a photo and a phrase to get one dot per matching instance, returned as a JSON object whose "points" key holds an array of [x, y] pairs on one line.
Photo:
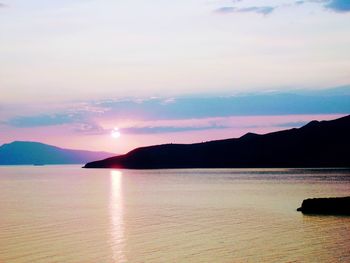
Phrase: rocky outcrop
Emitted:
{"points": [[326, 206]]}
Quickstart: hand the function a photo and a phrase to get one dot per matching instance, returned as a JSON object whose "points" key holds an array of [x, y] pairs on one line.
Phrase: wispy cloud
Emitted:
{"points": [[43, 120], [265, 10], [169, 129], [293, 124], [203, 107], [89, 128], [225, 10], [180, 114], [231, 123], [340, 6], [74, 120]]}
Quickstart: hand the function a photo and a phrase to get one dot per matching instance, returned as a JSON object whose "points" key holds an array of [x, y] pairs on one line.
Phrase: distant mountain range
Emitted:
{"points": [[35, 153], [317, 144]]}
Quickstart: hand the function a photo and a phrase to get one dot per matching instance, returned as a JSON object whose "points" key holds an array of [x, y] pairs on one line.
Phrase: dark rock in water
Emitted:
{"points": [[318, 144], [326, 206]]}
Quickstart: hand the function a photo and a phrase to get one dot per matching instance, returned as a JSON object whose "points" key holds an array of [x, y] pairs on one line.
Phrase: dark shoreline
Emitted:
{"points": [[317, 144]]}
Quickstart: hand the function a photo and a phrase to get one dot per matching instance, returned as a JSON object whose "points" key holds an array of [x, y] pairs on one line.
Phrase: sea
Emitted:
{"points": [[69, 214]]}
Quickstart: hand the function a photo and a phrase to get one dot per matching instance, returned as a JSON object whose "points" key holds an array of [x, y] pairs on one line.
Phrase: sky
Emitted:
{"points": [[169, 71]]}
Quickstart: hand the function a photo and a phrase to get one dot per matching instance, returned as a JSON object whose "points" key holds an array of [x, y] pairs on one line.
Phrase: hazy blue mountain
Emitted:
{"points": [[21, 152], [317, 144]]}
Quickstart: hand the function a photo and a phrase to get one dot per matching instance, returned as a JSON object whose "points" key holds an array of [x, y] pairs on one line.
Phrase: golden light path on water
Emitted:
{"points": [[73, 215], [116, 216]]}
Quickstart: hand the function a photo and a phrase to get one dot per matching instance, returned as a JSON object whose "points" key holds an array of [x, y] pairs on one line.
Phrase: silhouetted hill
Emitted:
{"points": [[317, 144], [18, 153]]}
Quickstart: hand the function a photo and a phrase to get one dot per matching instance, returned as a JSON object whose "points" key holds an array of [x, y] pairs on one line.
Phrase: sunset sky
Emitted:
{"points": [[169, 71]]}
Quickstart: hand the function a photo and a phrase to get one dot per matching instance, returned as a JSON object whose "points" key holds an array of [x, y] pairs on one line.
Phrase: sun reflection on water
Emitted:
{"points": [[116, 216]]}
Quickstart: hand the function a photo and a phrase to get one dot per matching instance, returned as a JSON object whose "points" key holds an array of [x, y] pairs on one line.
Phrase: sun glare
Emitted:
{"points": [[115, 133]]}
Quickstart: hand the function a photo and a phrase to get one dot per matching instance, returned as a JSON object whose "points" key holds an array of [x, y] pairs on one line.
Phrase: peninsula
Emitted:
{"points": [[317, 144]]}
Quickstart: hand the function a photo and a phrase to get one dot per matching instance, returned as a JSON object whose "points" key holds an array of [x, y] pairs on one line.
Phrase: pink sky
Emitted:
{"points": [[64, 136], [170, 71]]}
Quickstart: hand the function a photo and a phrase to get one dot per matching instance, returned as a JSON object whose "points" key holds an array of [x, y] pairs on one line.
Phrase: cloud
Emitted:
{"points": [[264, 10], [90, 128], [223, 123], [155, 115], [340, 6], [293, 124], [168, 129], [225, 10], [78, 122], [80, 113], [43, 120], [168, 101], [256, 104]]}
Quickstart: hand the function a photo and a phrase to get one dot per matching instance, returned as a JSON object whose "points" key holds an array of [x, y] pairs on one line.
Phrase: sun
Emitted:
{"points": [[115, 133]]}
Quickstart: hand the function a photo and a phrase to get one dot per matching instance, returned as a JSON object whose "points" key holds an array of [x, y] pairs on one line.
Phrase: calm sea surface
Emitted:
{"points": [[69, 214]]}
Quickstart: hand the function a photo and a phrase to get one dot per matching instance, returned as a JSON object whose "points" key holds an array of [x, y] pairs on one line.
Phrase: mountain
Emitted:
{"points": [[19, 152], [317, 144]]}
